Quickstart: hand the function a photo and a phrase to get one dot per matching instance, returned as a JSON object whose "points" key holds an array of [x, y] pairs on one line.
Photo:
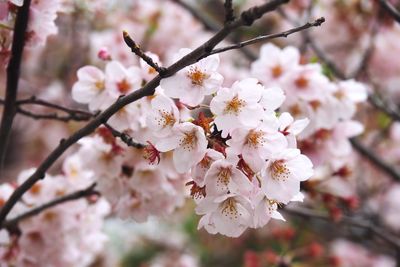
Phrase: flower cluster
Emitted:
{"points": [[243, 161], [69, 234], [330, 107]]}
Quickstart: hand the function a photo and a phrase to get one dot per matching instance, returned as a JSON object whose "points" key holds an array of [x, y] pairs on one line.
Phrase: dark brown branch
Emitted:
{"points": [[35, 101], [375, 230], [262, 38], [146, 90], [228, 11], [378, 103], [207, 22], [55, 116], [390, 9], [212, 25], [12, 223], [124, 137], [376, 160], [13, 73], [138, 51]]}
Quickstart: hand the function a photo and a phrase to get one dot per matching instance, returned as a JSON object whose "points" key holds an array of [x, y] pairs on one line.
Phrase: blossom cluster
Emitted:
{"points": [[243, 160], [69, 234], [329, 105], [42, 16]]}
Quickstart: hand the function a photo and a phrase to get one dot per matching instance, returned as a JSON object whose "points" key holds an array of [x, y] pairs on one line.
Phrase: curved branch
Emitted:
{"points": [[375, 230], [371, 156], [12, 223], [316, 23], [246, 19]]}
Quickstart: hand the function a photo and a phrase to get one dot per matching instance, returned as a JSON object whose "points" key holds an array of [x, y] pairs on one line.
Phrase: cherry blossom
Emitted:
{"points": [[238, 106], [282, 174], [189, 144], [194, 82]]}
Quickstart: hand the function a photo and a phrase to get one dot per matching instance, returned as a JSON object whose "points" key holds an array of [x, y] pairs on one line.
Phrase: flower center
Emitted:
{"points": [[224, 177], [301, 82], [189, 140], [167, 118], [123, 86], [277, 71], [234, 106], [255, 138], [100, 85], [229, 208], [279, 170], [197, 76]]}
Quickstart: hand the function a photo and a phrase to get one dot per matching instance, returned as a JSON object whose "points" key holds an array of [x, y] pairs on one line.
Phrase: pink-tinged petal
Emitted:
{"points": [[281, 191], [90, 74], [298, 198], [249, 89], [175, 86], [351, 128], [301, 167], [269, 50], [213, 83], [251, 116], [277, 216], [193, 96], [272, 98], [167, 143], [83, 92], [115, 71], [252, 158], [285, 120], [298, 126], [210, 63], [291, 56]]}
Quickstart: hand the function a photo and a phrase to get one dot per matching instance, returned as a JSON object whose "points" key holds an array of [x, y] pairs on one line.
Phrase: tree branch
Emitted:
{"points": [[13, 73], [138, 51], [228, 11], [262, 38], [375, 230], [124, 137], [371, 156], [378, 103], [73, 114], [12, 223], [246, 19], [55, 116], [390, 9]]}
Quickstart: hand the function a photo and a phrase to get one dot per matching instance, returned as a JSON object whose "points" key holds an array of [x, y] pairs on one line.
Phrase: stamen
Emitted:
{"points": [[197, 76], [188, 142], [279, 170], [234, 106], [255, 138]]}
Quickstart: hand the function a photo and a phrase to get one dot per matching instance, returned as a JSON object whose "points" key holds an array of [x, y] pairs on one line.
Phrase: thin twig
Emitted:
{"points": [[246, 19], [378, 103], [13, 73], [36, 101], [212, 25], [262, 38], [228, 11], [55, 116], [375, 230], [89, 191], [128, 140], [377, 161], [138, 51], [390, 9]]}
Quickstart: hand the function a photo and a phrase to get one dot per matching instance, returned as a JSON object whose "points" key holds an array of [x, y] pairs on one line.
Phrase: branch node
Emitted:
{"points": [[139, 52]]}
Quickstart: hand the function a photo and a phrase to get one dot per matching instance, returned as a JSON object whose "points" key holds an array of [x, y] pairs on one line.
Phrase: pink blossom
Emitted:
{"points": [[191, 84]]}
